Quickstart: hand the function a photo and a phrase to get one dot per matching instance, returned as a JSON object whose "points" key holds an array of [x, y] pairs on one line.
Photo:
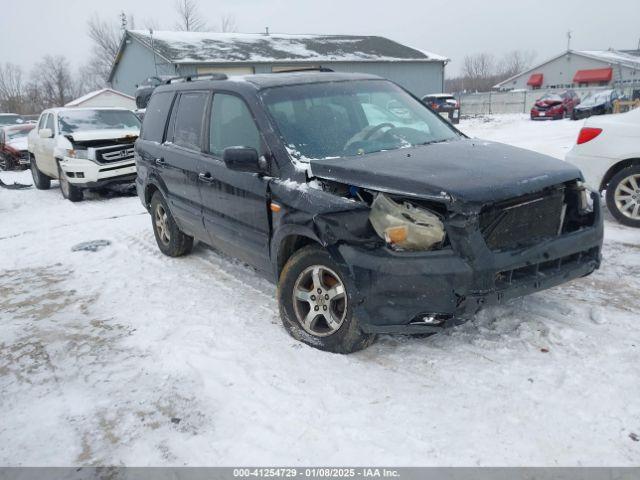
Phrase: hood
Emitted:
{"points": [[548, 103], [459, 172], [115, 134], [19, 143]]}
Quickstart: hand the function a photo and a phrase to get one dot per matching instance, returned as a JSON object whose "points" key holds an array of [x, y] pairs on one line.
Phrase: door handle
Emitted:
{"points": [[160, 162], [205, 177]]}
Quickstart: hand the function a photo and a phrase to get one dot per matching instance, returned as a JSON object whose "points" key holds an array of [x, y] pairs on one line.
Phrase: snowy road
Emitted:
{"points": [[124, 356]]}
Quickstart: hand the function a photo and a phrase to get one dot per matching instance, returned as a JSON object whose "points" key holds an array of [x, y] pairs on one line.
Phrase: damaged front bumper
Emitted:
{"points": [[85, 173], [396, 291]]}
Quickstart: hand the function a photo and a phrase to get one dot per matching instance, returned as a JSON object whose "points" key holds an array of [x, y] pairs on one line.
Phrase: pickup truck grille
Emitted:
{"points": [[523, 221], [114, 154]]}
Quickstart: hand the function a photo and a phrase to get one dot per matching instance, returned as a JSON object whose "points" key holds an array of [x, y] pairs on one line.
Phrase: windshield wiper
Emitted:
{"points": [[435, 141]]}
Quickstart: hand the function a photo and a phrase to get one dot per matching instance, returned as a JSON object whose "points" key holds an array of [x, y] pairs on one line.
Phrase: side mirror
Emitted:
{"points": [[45, 133], [242, 159]]}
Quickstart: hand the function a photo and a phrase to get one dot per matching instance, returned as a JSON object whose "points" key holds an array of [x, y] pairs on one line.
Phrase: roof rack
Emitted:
{"points": [[192, 78], [310, 69]]}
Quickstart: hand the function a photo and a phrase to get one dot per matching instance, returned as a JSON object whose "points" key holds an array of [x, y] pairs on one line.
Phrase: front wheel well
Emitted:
{"points": [[615, 169], [290, 245], [148, 194]]}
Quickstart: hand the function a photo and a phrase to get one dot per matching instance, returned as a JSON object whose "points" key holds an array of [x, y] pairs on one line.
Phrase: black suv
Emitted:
{"points": [[372, 213]]}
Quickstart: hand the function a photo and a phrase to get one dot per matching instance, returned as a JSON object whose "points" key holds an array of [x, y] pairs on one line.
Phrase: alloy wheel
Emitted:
{"points": [[627, 196], [319, 301], [162, 224]]}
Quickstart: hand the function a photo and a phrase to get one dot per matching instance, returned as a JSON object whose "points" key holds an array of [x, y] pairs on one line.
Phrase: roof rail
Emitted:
{"points": [[193, 78], [311, 69]]}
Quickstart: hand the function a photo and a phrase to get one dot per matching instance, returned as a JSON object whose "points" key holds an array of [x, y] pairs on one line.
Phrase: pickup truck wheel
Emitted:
{"points": [[69, 191], [316, 305], [623, 196], [40, 180], [171, 241]]}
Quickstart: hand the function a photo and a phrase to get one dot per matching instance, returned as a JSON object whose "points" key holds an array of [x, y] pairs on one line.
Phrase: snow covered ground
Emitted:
{"points": [[125, 357]]}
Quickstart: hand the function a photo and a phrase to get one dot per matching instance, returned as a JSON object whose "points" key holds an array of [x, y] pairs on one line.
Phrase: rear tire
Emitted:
{"points": [[171, 240], [69, 191], [40, 180], [623, 196], [311, 281]]}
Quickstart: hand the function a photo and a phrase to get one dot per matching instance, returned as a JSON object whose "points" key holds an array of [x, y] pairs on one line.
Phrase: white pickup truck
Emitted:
{"points": [[83, 148]]}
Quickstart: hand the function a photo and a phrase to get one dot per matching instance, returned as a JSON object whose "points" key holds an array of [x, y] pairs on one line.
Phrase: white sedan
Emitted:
{"points": [[608, 153]]}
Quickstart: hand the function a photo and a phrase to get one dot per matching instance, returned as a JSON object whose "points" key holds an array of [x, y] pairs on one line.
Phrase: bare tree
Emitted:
{"points": [[515, 62], [12, 89], [106, 38], [189, 17], [228, 23], [52, 83], [478, 70]]}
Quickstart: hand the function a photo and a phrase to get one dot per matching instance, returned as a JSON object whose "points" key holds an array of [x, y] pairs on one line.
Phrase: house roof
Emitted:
{"points": [[607, 56], [90, 95], [213, 47], [612, 56]]}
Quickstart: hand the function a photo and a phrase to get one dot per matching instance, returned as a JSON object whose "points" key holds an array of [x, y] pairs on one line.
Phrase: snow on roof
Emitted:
{"points": [[612, 56], [90, 95], [213, 47]]}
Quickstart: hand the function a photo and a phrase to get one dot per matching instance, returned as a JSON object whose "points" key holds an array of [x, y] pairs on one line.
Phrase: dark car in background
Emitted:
{"points": [[371, 213], [14, 152], [445, 104], [146, 88], [597, 103], [554, 106]]}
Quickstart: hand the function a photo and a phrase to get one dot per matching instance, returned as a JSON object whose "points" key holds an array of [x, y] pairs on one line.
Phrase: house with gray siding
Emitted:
{"points": [[146, 53], [573, 68]]}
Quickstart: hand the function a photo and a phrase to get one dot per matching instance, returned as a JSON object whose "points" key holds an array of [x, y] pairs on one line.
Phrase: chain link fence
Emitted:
{"points": [[487, 103]]}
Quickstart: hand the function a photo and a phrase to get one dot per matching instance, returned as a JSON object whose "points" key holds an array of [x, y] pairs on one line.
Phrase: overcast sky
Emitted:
{"points": [[32, 28]]}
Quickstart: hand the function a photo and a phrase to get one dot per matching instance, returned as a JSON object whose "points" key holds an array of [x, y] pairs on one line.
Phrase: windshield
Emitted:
{"points": [[596, 98], [328, 120], [10, 119], [550, 97], [97, 120]]}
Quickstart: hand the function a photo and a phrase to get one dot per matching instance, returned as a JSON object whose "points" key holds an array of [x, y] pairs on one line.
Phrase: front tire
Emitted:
{"points": [[171, 240], [40, 180], [69, 191], [623, 196], [316, 303]]}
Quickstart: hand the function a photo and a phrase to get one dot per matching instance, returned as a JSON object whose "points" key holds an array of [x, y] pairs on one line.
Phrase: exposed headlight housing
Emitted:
{"points": [[404, 226], [585, 205], [73, 153]]}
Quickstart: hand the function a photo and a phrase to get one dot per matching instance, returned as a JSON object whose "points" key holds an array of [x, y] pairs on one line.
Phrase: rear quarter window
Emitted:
{"points": [[155, 117]]}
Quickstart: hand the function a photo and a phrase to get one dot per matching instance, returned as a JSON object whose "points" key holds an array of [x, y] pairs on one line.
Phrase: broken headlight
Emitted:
{"points": [[77, 153], [585, 205], [404, 226]]}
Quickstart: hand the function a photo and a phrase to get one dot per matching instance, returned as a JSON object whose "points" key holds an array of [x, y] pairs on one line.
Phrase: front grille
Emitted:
{"points": [[523, 221], [117, 153], [539, 271]]}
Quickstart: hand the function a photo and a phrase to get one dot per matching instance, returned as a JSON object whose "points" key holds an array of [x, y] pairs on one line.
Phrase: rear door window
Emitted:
{"points": [[155, 117], [231, 125], [187, 122]]}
